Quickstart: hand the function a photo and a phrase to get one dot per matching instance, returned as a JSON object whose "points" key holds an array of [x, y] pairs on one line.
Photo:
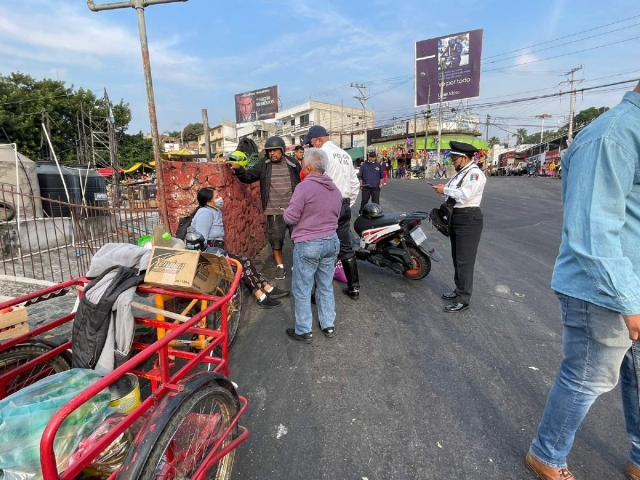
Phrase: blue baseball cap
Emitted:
{"points": [[315, 132]]}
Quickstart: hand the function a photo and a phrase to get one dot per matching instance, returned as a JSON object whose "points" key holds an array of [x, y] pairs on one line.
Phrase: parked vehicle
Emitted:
{"points": [[395, 241], [520, 169]]}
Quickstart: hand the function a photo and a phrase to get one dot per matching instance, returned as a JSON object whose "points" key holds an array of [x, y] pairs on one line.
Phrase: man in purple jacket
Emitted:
{"points": [[313, 212]]}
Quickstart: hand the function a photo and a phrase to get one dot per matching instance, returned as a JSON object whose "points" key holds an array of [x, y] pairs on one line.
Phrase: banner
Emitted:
{"points": [[257, 105], [458, 57]]}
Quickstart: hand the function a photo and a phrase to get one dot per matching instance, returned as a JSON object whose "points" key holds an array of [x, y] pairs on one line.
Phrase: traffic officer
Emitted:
{"points": [[371, 178], [465, 188], [340, 170]]}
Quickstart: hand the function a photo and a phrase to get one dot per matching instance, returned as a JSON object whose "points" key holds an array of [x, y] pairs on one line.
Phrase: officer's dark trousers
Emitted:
{"points": [[344, 231], [466, 228], [369, 193]]}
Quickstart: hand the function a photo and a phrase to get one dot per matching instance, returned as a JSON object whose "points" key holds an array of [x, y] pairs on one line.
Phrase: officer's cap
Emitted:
{"points": [[460, 149], [315, 132]]}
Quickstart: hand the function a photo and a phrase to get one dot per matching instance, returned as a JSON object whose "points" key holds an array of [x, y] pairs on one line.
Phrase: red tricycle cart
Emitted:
{"points": [[189, 419]]}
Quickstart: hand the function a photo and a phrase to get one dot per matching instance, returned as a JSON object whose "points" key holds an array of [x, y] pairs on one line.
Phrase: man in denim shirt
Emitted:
{"points": [[597, 279]]}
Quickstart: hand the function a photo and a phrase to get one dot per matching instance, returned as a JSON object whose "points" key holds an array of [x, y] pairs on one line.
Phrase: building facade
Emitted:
{"points": [[223, 139], [345, 125], [258, 131]]}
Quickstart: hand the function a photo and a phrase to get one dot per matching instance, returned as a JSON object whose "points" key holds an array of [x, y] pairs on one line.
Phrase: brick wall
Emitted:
{"points": [[242, 212]]}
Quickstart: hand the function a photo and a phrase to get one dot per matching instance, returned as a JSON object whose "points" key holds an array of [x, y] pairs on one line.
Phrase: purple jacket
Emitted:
{"points": [[314, 209]]}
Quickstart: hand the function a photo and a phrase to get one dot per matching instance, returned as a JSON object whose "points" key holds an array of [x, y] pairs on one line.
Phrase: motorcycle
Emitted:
{"points": [[397, 242]]}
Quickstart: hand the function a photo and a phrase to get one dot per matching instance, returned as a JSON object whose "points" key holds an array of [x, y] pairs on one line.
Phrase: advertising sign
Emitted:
{"points": [[396, 128], [455, 56], [257, 105]]}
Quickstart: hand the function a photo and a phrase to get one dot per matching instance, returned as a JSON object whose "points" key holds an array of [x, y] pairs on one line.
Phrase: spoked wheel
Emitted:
{"points": [[175, 445], [21, 354], [421, 265], [234, 309]]}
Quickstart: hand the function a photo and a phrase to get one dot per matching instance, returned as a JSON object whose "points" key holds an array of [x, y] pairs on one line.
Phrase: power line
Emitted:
{"points": [[33, 99]]}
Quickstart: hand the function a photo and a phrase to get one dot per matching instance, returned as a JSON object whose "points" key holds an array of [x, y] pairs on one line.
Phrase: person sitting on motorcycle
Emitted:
{"points": [[207, 221]]}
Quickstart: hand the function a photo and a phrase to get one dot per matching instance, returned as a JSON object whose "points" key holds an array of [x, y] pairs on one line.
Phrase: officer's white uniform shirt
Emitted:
{"points": [[470, 192], [341, 171]]}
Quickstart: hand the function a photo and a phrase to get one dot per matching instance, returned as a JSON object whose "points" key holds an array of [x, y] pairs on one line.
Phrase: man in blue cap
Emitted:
{"points": [[464, 192], [371, 178], [340, 170]]}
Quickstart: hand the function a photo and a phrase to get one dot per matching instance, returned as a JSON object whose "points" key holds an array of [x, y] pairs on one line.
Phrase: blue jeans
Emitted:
{"points": [[595, 352], [314, 259]]}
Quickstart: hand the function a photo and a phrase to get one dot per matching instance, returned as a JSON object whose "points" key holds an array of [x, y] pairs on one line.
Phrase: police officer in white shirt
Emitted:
{"points": [[341, 171], [466, 188]]}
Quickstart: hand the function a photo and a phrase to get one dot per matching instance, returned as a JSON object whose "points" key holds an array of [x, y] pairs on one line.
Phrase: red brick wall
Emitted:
{"points": [[242, 212]]}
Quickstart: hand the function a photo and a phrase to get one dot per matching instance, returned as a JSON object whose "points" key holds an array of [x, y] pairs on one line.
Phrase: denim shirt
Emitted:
{"points": [[599, 258]]}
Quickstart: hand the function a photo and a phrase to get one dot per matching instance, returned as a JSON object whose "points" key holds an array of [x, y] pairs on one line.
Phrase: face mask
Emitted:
{"points": [[219, 202], [303, 174]]}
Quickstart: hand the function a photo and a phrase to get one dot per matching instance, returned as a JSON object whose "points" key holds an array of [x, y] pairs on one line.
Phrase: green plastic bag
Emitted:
{"points": [[25, 414]]}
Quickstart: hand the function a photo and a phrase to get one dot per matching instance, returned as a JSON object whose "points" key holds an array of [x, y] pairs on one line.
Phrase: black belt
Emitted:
{"points": [[216, 243], [465, 209], [346, 201]]}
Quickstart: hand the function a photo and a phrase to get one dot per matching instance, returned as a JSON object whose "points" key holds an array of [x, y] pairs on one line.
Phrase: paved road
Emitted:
{"points": [[406, 391]]}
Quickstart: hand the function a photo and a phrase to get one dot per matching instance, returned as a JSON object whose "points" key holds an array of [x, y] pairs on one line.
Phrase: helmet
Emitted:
{"points": [[372, 210], [239, 157], [273, 143]]}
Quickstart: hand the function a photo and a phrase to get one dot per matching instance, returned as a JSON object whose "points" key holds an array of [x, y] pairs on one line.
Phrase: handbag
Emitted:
{"points": [[183, 224], [441, 216]]}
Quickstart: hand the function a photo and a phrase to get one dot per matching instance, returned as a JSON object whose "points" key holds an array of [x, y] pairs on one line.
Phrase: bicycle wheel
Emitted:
{"points": [[21, 354], [200, 417], [234, 309]]}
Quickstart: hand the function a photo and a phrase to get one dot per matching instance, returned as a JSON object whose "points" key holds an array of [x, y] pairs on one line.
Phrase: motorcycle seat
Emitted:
{"points": [[361, 224]]}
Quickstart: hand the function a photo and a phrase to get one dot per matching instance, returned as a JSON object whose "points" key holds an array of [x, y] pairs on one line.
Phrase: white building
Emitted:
{"points": [[258, 131], [345, 125], [223, 139]]}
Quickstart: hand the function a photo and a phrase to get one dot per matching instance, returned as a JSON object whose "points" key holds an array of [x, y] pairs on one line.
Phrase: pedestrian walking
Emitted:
{"points": [[385, 170], [464, 192], [596, 278], [313, 211], [438, 173], [278, 176], [371, 176], [340, 170]]}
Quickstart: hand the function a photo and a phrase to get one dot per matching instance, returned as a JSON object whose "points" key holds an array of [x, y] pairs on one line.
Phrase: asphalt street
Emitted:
{"points": [[406, 391]]}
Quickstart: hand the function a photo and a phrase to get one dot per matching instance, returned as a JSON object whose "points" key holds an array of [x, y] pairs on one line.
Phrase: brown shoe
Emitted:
{"points": [[633, 472], [543, 472]]}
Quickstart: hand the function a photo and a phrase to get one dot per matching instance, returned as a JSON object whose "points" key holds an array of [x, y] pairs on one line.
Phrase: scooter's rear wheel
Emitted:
{"points": [[421, 265]]}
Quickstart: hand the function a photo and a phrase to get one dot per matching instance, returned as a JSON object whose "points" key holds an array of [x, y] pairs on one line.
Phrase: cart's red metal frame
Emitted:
{"points": [[163, 381]]}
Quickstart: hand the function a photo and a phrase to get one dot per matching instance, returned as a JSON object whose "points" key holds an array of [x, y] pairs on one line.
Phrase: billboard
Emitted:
{"points": [[458, 57], [257, 105]]}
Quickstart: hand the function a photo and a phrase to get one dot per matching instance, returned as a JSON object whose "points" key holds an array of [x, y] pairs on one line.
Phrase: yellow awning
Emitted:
{"points": [[175, 153], [138, 165]]}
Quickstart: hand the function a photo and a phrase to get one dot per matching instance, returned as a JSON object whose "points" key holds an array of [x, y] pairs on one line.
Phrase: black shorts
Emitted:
{"points": [[276, 231]]}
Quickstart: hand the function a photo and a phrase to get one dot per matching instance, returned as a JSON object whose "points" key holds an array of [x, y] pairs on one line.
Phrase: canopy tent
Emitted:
{"points": [[107, 171], [137, 166], [175, 153], [356, 152]]}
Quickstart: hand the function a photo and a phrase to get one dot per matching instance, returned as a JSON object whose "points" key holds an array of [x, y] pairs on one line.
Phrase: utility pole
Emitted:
{"points": [[362, 98], [440, 109], [486, 133], [415, 133], [572, 98], [207, 134], [542, 117], [427, 117], [139, 6]]}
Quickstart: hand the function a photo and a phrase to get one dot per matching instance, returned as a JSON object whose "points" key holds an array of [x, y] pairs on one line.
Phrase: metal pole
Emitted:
{"points": [[207, 134], [144, 46], [440, 111], [543, 116]]}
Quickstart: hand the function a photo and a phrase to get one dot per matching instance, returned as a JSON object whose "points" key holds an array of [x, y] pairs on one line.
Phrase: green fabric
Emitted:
{"points": [[357, 152]]}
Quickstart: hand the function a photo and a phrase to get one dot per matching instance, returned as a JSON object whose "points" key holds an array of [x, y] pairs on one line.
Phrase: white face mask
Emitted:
{"points": [[219, 202]]}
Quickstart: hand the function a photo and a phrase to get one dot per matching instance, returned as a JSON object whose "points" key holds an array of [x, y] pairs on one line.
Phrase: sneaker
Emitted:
{"points": [[277, 293], [304, 338], [268, 302], [280, 272]]}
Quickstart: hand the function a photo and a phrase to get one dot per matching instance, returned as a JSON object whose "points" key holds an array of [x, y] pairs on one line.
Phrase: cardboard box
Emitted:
{"points": [[13, 322], [188, 270]]}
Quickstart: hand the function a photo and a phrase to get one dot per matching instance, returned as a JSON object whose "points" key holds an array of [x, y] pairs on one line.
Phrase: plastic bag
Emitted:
{"points": [[338, 273], [112, 457], [25, 414]]}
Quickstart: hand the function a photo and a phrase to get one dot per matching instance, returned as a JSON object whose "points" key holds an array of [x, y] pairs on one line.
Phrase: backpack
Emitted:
{"points": [[183, 224], [441, 216]]}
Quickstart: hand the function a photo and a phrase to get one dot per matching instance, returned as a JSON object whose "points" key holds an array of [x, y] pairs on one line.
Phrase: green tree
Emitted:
{"points": [[494, 141], [191, 132], [520, 135], [26, 103], [134, 148]]}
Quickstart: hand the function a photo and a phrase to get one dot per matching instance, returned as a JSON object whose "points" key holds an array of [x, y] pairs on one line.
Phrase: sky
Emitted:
{"points": [[205, 51]]}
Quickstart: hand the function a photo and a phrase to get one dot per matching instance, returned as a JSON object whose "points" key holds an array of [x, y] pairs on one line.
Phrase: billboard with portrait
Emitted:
{"points": [[457, 57], [257, 105]]}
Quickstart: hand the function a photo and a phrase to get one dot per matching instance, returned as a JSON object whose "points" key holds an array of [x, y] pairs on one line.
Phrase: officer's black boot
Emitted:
{"points": [[350, 267]]}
